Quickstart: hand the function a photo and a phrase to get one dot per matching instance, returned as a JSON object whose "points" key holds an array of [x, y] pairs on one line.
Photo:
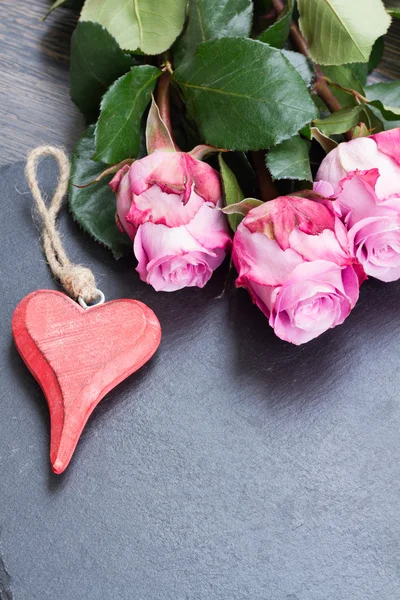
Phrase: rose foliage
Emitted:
{"points": [[246, 126]]}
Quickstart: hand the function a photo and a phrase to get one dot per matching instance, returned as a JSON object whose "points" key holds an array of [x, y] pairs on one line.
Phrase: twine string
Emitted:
{"points": [[77, 280]]}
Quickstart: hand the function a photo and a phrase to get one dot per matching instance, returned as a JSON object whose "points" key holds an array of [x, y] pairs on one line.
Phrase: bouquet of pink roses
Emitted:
{"points": [[242, 127]]}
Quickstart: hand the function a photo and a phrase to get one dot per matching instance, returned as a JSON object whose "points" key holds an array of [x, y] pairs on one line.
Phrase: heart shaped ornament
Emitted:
{"points": [[77, 356]]}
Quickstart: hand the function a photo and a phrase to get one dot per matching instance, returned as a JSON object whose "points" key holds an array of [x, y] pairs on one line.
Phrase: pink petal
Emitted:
{"points": [[116, 180], [159, 249], [323, 246], [374, 234], [159, 207], [388, 142], [324, 188], [277, 218], [311, 301], [357, 199], [209, 227], [121, 184], [142, 169], [260, 259], [364, 154], [331, 170], [262, 295]]}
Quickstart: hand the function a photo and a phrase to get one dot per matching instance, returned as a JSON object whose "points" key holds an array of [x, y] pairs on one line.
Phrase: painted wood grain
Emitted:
{"points": [[77, 356]]}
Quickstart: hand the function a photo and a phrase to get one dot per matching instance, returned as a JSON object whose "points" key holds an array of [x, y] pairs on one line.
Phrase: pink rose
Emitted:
{"points": [[292, 256], [168, 204], [364, 177], [380, 151]]}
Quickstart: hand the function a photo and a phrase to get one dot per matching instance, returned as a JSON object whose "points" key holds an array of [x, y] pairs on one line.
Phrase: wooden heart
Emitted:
{"points": [[78, 355]]}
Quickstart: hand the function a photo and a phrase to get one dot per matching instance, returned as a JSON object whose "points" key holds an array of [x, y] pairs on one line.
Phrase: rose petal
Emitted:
{"points": [[357, 198], [313, 297], [324, 246], [260, 259], [388, 142], [373, 235], [210, 228], [157, 246]]}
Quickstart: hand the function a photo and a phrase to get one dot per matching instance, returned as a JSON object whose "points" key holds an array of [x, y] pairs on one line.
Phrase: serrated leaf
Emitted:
{"points": [[340, 121], [209, 19], [147, 25], [94, 207], [376, 54], [301, 64], [234, 95], [277, 34], [122, 108], [290, 160], [232, 192], [389, 95], [96, 61], [340, 32]]}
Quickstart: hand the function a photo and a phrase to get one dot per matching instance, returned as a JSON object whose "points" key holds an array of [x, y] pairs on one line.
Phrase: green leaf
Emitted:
{"points": [[360, 70], [242, 208], [340, 32], [301, 64], [53, 7], [389, 113], [290, 160], [340, 121], [394, 12], [324, 141], [389, 95], [345, 77], [373, 119], [146, 25], [122, 108], [377, 53], [232, 192], [277, 34], [243, 94], [96, 61], [94, 207], [244, 172], [209, 19]]}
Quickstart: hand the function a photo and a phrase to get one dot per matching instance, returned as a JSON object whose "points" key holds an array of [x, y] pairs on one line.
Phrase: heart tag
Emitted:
{"points": [[79, 355]]}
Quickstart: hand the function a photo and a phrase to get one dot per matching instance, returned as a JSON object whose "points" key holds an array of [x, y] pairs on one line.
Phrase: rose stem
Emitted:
{"points": [[320, 87], [267, 189], [163, 99]]}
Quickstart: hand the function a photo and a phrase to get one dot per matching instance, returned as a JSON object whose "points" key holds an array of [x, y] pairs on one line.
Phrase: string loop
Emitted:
{"points": [[77, 280]]}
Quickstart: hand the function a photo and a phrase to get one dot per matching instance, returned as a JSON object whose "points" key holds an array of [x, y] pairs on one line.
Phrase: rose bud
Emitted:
{"points": [[167, 202], [291, 254], [364, 177]]}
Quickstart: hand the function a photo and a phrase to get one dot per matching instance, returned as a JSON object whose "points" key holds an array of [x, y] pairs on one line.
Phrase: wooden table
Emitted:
{"points": [[35, 106]]}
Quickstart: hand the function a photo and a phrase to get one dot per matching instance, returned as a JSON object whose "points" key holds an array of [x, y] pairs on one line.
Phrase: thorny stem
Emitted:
{"points": [[267, 189], [359, 97], [320, 87]]}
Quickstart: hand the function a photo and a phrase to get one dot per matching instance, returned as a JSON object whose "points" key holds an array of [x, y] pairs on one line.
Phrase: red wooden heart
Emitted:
{"points": [[78, 355]]}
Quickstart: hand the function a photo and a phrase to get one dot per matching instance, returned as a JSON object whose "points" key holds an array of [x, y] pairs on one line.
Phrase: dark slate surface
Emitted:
{"points": [[233, 466]]}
